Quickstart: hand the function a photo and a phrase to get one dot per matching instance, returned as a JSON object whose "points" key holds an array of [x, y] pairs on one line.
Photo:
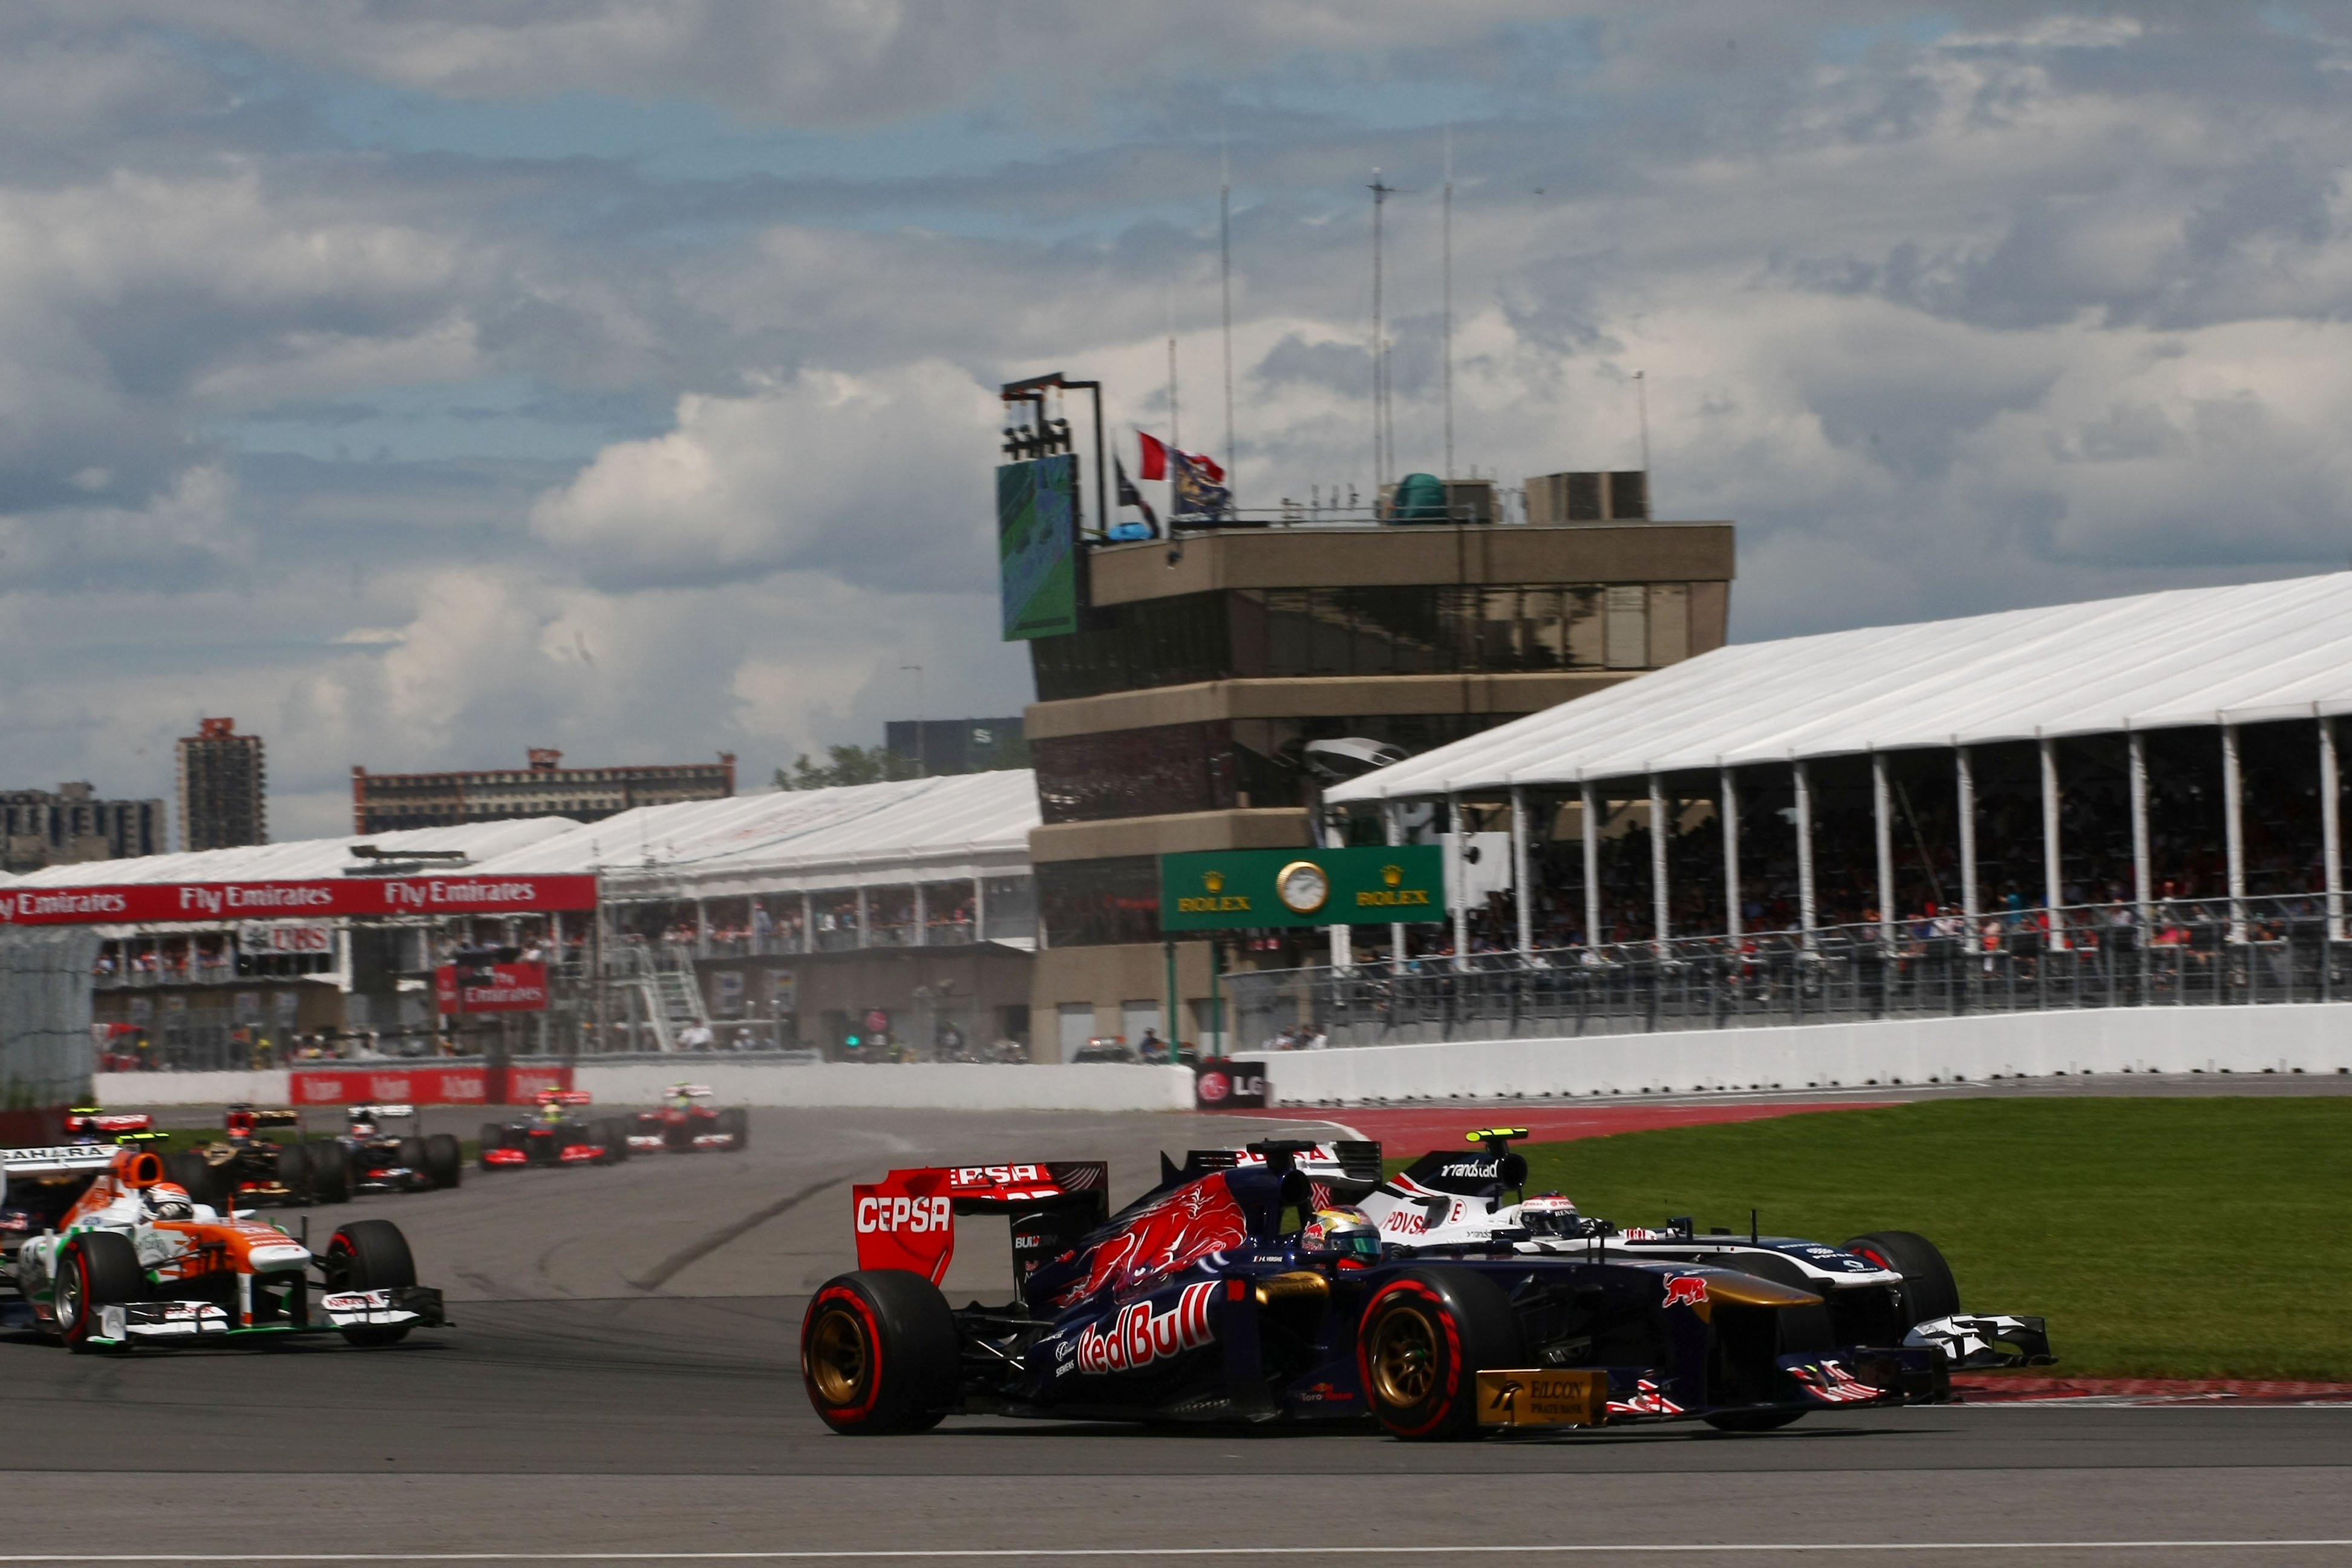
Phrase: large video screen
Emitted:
{"points": [[1036, 542]]}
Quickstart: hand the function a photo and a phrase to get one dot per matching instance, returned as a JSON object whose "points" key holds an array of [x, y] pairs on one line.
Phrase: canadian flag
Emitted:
{"points": [[1153, 460]]}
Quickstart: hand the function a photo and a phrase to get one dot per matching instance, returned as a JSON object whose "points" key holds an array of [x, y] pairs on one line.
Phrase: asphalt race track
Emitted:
{"points": [[620, 1382]]}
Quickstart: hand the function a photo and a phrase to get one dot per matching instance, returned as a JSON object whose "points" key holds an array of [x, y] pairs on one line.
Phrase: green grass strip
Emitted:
{"points": [[2161, 1238]]}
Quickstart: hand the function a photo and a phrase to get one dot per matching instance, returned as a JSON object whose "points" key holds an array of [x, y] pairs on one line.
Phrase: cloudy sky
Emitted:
{"points": [[419, 380]]}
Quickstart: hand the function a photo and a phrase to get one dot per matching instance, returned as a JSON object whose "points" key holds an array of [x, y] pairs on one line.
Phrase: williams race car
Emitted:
{"points": [[684, 1125], [103, 1251], [555, 1136], [1886, 1289], [1230, 1293]]}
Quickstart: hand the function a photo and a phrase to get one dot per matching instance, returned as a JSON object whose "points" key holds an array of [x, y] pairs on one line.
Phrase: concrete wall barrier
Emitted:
{"points": [[925, 1086], [2312, 1039], [192, 1087], [912, 1086]]}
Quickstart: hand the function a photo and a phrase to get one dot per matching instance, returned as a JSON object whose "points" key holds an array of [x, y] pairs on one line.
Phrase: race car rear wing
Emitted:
{"points": [[366, 1112], [907, 1220], [1342, 1172]]}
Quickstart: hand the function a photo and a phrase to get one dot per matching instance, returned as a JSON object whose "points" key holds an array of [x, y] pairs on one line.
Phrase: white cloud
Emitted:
{"points": [[881, 470]]}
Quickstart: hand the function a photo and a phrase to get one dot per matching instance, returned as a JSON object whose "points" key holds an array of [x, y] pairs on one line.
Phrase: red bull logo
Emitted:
{"points": [[1139, 1336], [1686, 1290], [1166, 1239]]}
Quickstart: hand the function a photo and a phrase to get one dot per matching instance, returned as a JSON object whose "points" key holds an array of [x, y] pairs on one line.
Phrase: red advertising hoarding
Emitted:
{"points": [[390, 1082], [141, 903], [514, 988]]}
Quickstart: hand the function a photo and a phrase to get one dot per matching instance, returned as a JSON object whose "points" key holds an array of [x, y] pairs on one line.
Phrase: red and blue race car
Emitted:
{"points": [[1241, 1292]]}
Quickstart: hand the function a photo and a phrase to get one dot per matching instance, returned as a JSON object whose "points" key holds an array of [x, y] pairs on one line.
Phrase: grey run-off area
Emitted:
{"points": [[622, 1379]]}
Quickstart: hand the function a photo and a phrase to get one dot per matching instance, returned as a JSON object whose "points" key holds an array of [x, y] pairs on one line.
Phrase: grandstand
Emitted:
{"points": [[2128, 802]]}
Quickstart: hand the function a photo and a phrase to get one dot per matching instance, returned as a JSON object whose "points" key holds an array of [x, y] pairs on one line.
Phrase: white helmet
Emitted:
{"points": [[1550, 1215], [167, 1200]]}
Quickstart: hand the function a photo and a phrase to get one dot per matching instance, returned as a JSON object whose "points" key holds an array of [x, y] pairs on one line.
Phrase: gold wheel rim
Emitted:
{"points": [[840, 1361], [1404, 1357]]}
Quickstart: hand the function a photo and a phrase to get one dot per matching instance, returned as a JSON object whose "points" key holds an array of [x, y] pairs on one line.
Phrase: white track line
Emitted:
{"points": [[1434, 1551]]}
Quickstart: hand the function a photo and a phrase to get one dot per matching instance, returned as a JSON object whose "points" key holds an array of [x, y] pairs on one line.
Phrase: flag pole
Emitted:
{"points": [[1446, 224], [1225, 281], [1175, 428]]}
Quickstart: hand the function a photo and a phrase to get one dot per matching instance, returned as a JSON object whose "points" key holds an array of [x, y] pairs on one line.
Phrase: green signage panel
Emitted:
{"points": [[1036, 543], [1223, 890]]}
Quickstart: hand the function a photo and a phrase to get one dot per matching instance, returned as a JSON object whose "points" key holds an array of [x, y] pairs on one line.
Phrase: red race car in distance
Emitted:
{"points": [[685, 1124]]}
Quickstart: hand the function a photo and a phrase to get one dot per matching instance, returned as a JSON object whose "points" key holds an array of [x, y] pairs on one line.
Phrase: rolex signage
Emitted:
{"points": [[1223, 890]]}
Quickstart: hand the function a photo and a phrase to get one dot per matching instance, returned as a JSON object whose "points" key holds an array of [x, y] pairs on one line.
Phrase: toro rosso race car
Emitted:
{"points": [[1886, 1289], [104, 1251], [1234, 1294], [684, 1125], [555, 1136]]}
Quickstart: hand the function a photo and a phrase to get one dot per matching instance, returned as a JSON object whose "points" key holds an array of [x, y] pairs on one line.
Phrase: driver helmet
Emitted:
{"points": [[552, 1111], [167, 1200], [1348, 1234], [1551, 1213]]}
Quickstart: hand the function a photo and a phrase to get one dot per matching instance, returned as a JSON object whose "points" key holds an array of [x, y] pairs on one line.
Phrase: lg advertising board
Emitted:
{"points": [[1036, 543], [1229, 889]]}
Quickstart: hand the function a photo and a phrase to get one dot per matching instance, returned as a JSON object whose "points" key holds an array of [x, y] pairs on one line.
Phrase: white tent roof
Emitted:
{"points": [[2193, 656], [303, 860], [943, 829]]}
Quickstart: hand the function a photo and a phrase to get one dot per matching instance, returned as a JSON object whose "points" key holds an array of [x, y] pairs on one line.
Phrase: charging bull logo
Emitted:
{"points": [[1686, 1290], [1178, 1231], [1139, 1336]]}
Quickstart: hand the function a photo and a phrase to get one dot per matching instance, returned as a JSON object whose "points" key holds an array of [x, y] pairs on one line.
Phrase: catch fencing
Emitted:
{"points": [[2176, 954]]}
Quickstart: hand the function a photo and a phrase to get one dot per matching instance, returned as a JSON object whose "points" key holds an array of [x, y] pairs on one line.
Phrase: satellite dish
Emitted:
{"points": [[1335, 761]]}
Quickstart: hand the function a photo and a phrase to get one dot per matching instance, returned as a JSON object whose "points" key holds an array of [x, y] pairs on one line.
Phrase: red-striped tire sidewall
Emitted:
{"points": [[1453, 1369], [79, 1330], [856, 1303]]}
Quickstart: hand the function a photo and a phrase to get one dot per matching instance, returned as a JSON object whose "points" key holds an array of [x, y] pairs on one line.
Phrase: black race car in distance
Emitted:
{"points": [[1229, 1295]]}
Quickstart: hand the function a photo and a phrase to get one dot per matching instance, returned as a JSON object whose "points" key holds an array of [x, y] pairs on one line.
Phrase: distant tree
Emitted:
{"points": [[846, 765]]}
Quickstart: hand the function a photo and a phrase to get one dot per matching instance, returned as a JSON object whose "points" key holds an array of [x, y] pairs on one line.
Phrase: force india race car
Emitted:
{"points": [[684, 1125], [103, 1251], [1889, 1288], [1232, 1294], [555, 1136]]}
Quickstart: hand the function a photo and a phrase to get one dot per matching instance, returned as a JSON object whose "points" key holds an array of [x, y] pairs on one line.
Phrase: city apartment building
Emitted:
{"points": [[381, 803], [74, 826], [223, 784], [1177, 718]]}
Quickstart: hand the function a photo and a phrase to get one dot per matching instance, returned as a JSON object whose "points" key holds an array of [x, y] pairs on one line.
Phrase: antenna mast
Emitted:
{"points": [[1382, 441], [1175, 430], [1225, 281], [1446, 226]]}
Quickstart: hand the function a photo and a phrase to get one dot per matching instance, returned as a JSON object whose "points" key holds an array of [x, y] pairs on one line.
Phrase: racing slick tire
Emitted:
{"points": [[1929, 1290], [735, 1123], [330, 1173], [189, 1170], [370, 1255], [410, 1152], [880, 1353], [612, 1134], [445, 1164], [493, 1136], [1424, 1337], [294, 1172], [99, 1268]]}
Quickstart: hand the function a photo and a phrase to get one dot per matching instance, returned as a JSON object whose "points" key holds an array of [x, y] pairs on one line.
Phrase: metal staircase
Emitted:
{"points": [[667, 994]]}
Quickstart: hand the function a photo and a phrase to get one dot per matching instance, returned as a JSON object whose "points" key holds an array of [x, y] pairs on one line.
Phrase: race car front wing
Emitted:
{"points": [[418, 1305]]}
